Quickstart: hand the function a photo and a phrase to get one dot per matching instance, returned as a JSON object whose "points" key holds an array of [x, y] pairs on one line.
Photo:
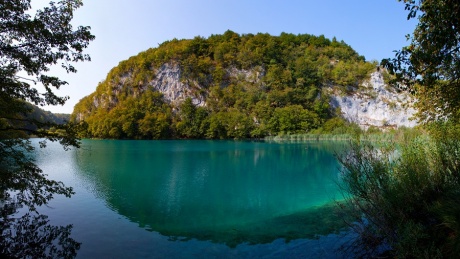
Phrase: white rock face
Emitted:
{"points": [[377, 105], [168, 82]]}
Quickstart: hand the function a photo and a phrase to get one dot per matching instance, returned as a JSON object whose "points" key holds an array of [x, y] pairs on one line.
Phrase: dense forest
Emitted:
{"points": [[287, 93]]}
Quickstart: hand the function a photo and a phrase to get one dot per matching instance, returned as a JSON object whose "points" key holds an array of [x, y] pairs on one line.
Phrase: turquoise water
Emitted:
{"points": [[182, 199]]}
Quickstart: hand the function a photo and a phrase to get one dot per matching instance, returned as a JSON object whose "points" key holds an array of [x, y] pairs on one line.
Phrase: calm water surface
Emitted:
{"points": [[197, 199]]}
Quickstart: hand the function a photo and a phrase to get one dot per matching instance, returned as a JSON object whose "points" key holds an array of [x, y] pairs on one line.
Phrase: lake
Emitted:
{"points": [[197, 199]]}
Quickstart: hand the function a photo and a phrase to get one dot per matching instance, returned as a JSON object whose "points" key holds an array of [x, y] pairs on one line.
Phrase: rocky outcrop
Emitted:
{"points": [[376, 104], [168, 82]]}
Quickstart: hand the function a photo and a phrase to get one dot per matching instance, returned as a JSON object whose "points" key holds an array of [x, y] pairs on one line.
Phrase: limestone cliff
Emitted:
{"points": [[376, 104], [168, 81]]}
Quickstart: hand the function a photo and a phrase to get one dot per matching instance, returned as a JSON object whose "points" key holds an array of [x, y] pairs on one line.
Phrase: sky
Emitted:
{"points": [[124, 28]]}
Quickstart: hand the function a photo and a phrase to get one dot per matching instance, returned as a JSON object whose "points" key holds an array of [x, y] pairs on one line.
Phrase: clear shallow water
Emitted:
{"points": [[197, 199]]}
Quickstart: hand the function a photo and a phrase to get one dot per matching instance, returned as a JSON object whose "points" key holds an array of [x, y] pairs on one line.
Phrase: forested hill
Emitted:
{"points": [[224, 86], [34, 118]]}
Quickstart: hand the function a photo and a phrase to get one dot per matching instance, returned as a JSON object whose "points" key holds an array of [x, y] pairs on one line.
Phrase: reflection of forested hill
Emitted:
{"points": [[224, 86]]}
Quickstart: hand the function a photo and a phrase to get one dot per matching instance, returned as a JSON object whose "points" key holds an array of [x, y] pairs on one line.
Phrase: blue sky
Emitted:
{"points": [[374, 28]]}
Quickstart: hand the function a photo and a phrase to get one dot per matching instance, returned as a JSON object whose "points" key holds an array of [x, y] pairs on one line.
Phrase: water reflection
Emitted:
{"points": [[31, 236], [223, 191]]}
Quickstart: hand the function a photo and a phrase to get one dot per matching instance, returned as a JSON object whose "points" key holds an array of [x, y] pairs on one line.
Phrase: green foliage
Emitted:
{"points": [[430, 65], [293, 119], [32, 45], [192, 122], [279, 90], [337, 126], [146, 117], [229, 124]]}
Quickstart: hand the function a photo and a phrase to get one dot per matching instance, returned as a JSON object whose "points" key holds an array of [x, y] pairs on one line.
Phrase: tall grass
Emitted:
{"points": [[406, 194], [309, 137], [396, 135]]}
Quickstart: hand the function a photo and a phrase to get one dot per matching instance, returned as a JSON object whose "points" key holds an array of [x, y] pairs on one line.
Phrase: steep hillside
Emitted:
{"points": [[225, 86]]}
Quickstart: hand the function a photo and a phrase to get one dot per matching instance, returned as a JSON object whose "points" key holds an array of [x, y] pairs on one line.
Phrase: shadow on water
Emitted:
{"points": [[225, 192]]}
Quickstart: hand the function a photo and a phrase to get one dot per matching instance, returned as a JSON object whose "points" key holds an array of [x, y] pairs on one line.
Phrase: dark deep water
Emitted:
{"points": [[197, 199]]}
